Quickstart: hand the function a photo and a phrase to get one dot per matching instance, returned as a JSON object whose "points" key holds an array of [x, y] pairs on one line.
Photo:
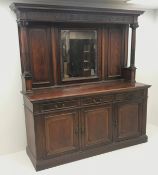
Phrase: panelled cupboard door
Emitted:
{"points": [[98, 125], [61, 132], [128, 120]]}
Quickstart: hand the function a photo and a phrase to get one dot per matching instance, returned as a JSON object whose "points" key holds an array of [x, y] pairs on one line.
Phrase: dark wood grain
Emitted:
{"points": [[105, 48], [48, 163], [54, 37], [61, 132], [29, 120], [115, 52], [54, 13], [133, 44], [24, 51], [39, 128], [125, 46], [98, 125], [48, 94], [39, 37], [128, 120], [72, 120]]}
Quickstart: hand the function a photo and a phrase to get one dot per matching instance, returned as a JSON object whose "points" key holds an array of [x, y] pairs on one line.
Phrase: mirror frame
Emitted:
{"points": [[98, 56]]}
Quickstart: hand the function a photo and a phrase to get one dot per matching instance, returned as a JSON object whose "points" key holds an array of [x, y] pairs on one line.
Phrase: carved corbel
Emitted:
{"points": [[23, 23], [27, 81], [134, 26]]}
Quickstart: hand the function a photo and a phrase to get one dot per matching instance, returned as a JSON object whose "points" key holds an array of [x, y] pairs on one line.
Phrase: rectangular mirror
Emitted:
{"points": [[79, 54]]}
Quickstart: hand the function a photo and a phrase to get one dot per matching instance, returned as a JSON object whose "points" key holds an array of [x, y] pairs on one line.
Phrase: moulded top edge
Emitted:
{"points": [[26, 6]]}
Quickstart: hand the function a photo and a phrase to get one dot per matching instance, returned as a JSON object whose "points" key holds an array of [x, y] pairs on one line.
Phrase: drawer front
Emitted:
{"points": [[92, 100], [56, 105], [97, 100], [130, 96], [108, 98]]}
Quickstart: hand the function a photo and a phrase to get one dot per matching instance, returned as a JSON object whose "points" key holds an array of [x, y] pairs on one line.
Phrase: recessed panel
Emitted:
{"points": [[128, 120], [40, 55], [115, 52], [60, 133], [97, 126]]}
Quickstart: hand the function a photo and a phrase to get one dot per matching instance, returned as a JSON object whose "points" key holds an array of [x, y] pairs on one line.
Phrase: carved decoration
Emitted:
{"points": [[77, 17], [134, 26], [23, 23], [130, 96], [52, 13], [27, 75]]}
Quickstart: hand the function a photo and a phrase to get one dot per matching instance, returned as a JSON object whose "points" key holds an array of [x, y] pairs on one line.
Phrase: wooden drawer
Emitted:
{"points": [[92, 100], [97, 100], [108, 98], [56, 105], [129, 96]]}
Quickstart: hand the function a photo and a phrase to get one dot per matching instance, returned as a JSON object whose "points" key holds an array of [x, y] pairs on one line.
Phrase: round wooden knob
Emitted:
{"points": [[56, 106], [94, 100], [97, 100]]}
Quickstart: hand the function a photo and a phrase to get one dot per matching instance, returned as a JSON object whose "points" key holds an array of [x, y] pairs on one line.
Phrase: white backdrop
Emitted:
{"points": [[12, 124], [12, 121], [147, 59]]}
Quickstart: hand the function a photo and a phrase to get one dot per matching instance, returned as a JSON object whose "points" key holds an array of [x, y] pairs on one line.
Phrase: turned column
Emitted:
{"points": [[24, 54], [133, 48], [133, 44], [128, 73]]}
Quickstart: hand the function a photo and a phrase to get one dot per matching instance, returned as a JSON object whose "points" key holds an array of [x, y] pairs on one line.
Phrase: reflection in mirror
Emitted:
{"points": [[79, 50]]}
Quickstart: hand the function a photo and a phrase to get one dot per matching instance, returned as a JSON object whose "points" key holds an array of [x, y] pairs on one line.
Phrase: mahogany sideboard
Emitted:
{"points": [[80, 94]]}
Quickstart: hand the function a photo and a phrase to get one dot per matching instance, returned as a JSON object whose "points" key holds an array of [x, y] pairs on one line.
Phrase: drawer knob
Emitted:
{"points": [[82, 130], [56, 106], [96, 100], [62, 105]]}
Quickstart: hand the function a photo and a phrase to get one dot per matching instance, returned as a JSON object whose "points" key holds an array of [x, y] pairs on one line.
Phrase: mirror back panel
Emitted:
{"points": [[82, 54]]}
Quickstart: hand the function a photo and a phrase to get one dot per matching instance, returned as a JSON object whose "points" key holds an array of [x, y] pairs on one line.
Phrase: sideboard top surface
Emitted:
{"points": [[76, 91]]}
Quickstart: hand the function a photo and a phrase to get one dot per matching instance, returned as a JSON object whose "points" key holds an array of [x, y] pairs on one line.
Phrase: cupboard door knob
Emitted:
{"points": [[76, 131], [115, 122], [82, 130]]}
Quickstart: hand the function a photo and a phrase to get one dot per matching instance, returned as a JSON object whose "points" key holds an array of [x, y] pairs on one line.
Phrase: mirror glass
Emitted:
{"points": [[79, 53]]}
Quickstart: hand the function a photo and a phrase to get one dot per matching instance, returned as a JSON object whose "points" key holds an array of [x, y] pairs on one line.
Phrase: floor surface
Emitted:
{"points": [[136, 160]]}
